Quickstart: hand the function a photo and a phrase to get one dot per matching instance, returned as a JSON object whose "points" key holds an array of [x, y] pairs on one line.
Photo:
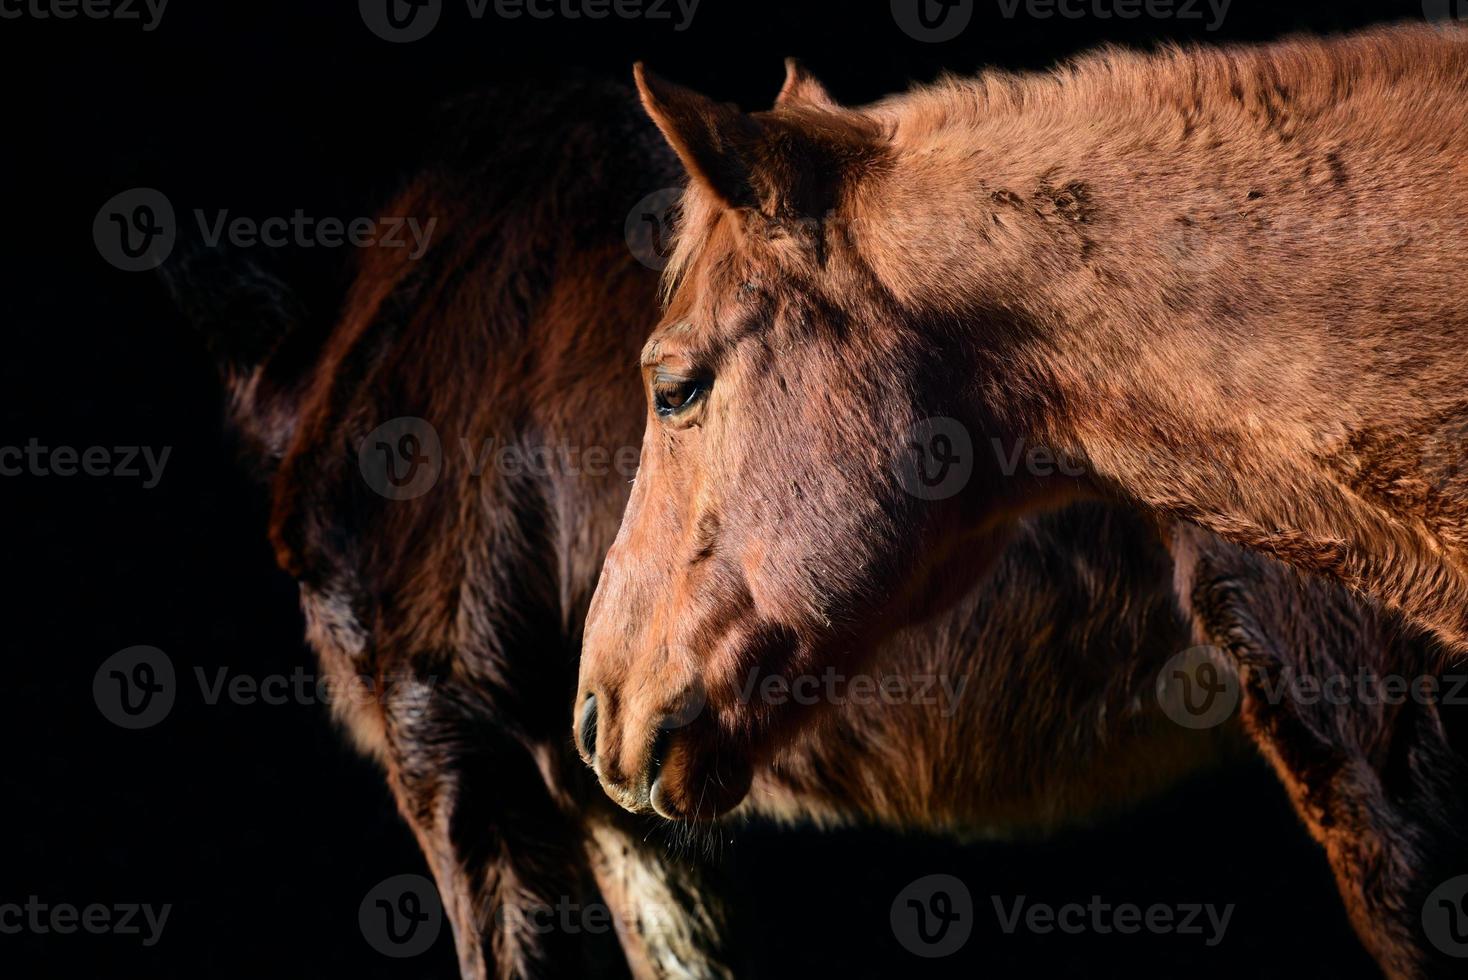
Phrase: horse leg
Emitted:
{"points": [[1384, 816], [1369, 771], [501, 848], [513, 858], [671, 922]]}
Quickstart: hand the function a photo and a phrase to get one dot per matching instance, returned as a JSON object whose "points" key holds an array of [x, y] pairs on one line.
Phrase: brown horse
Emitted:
{"points": [[1218, 283], [464, 604]]}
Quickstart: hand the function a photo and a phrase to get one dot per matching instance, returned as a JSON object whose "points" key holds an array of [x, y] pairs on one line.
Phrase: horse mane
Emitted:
{"points": [[1305, 74], [1160, 96]]}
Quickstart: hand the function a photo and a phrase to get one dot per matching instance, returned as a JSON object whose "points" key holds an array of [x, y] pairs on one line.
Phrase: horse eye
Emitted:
{"points": [[672, 395]]}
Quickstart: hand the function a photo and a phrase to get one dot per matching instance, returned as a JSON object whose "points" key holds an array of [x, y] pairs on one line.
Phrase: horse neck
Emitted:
{"points": [[1165, 299]]}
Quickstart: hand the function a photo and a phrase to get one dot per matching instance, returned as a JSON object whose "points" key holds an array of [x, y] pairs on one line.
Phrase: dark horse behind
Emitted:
{"points": [[402, 432]]}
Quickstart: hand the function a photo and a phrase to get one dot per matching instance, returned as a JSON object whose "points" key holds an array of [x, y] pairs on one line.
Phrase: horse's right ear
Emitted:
{"points": [[712, 139], [801, 88], [251, 322]]}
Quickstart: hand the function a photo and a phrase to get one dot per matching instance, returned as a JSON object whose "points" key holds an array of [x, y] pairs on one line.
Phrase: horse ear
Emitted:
{"points": [[780, 164], [252, 324], [802, 88], [712, 139]]}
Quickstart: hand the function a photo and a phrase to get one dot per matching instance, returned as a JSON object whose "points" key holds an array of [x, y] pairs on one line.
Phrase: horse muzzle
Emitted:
{"points": [[671, 767]]}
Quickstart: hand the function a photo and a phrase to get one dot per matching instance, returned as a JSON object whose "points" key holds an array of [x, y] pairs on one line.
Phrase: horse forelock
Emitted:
{"points": [[697, 213]]}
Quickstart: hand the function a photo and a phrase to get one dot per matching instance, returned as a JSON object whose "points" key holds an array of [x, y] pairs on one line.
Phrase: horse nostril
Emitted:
{"points": [[586, 731], [661, 744]]}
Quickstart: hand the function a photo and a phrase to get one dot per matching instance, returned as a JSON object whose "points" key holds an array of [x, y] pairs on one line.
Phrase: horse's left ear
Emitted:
{"points": [[713, 139], [802, 88]]}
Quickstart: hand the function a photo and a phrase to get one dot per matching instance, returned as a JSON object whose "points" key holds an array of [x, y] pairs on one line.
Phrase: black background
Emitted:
{"points": [[256, 822]]}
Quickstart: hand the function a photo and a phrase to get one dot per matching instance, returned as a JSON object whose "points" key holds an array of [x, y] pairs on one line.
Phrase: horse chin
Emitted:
{"points": [[675, 796]]}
